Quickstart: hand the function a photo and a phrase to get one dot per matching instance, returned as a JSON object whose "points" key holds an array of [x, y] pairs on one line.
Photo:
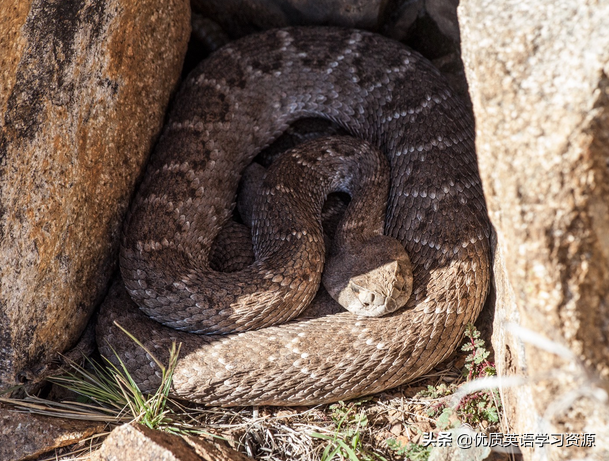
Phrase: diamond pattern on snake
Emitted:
{"points": [[410, 256]]}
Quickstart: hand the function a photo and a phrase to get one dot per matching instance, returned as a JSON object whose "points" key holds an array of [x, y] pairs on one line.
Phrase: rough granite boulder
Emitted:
{"points": [[83, 88], [538, 75]]}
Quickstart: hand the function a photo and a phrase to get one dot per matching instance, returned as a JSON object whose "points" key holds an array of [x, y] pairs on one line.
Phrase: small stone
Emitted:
{"points": [[135, 442], [402, 440], [396, 429]]}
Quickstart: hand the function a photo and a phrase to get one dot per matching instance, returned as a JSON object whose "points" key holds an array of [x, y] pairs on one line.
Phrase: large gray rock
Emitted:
{"points": [[83, 89], [538, 75]]}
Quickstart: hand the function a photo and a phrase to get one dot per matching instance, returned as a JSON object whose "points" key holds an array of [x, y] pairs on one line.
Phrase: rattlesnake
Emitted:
{"points": [[235, 103]]}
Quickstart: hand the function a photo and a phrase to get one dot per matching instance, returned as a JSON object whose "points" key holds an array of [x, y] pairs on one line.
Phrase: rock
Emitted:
{"points": [[444, 14], [538, 75], [401, 17], [239, 18], [136, 442], [430, 27], [25, 435], [208, 33], [83, 89]]}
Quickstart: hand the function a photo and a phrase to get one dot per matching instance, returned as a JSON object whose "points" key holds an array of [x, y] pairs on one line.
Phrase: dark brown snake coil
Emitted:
{"points": [[234, 104]]}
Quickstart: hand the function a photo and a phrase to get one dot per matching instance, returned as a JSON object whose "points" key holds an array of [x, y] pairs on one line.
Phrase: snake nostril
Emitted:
{"points": [[366, 297], [22, 377]]}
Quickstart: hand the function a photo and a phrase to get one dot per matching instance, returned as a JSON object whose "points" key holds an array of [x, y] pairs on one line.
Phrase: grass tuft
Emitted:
{"points": [[346, 441], [112, 388]]}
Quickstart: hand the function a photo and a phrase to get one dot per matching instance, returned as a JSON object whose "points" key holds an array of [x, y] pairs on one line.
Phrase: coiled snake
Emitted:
{"points": [[237, 102]]}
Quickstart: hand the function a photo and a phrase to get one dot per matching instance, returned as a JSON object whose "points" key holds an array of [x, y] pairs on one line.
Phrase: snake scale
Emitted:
{"points": [[229, 108]]}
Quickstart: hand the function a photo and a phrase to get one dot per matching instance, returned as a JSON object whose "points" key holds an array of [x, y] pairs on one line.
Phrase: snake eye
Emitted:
{"points": [[355, 288]]}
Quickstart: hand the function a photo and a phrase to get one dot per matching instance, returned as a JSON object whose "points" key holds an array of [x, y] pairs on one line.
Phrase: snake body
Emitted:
{"points": [[233, 105]]}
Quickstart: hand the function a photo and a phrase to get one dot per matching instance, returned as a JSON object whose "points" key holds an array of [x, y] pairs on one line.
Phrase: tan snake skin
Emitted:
{"points": [[233, 105]]}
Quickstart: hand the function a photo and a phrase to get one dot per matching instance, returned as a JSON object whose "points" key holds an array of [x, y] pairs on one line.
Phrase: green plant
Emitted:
{"points": [[346, 441], [112, 388], [439, 391], [480, 406], [483, 405], [411, 451], [476, 362]]}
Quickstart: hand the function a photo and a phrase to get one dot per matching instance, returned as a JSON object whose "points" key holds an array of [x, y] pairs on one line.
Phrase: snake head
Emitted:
{"points": [[373, 280]]}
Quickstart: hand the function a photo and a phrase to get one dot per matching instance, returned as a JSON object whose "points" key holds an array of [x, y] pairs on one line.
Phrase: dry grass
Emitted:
{"points": [[81, 451]]}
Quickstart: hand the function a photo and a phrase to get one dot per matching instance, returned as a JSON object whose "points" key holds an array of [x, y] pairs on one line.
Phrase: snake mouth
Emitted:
{"points": [[367, 302], [370, 303]]}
